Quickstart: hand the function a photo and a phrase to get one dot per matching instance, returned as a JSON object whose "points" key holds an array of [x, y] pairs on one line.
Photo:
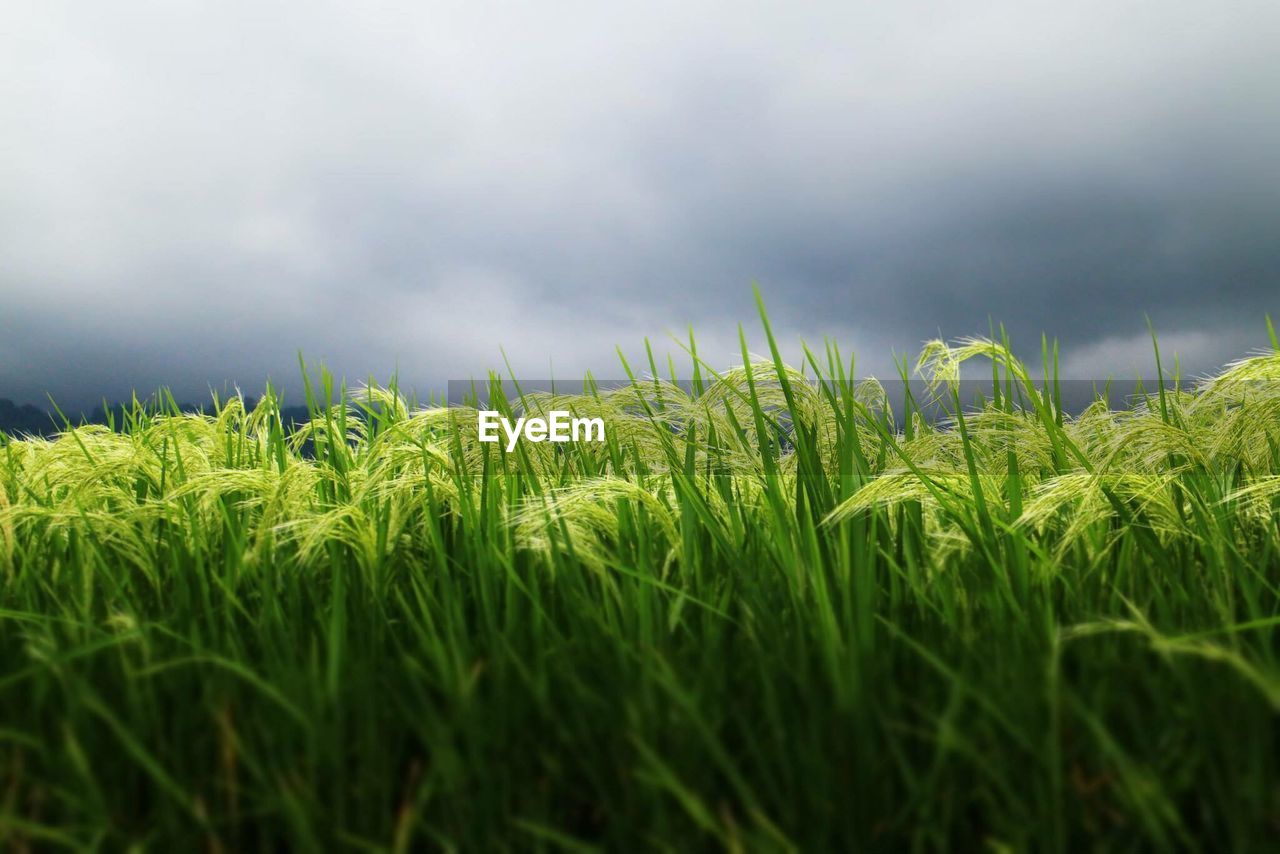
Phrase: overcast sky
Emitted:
{"points": [[191, 193]]}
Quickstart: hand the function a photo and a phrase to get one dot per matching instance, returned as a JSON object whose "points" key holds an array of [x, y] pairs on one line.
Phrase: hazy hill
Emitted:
{"points": [[31, 420]]}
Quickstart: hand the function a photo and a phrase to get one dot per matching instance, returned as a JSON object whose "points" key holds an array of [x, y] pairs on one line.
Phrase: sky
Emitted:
{"points": [[192, 193]]}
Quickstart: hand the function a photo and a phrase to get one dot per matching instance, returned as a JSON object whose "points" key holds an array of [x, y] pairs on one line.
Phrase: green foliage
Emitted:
{"points": [[768, 613]]}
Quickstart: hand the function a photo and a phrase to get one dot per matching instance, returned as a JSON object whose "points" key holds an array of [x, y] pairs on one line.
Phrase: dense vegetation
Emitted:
{"points": [[767, 613]]}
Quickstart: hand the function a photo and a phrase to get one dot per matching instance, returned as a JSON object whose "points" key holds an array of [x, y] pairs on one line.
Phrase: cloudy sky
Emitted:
{"points": [[192, 192]]}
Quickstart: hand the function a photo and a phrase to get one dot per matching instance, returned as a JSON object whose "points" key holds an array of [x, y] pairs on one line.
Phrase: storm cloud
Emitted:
{"points": [[191, 193]]}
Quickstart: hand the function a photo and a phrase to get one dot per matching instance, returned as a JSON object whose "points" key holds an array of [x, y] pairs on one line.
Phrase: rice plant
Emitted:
{"points": [[772, 611]]}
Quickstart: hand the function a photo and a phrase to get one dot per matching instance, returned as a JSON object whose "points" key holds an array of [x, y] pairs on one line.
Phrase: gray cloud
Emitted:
{"points": [[190, 193]]}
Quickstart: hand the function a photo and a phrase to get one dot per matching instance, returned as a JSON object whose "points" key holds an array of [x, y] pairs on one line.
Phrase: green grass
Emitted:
{"points": [[764, 615]]}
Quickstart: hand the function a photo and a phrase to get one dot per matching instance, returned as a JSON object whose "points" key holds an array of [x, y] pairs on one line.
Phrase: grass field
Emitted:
{"points": [[767, 614]]}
